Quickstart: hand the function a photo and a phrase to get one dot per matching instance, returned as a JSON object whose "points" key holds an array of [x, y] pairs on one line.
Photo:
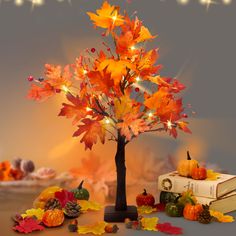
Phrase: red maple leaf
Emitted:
{"points": [[28, 225], [64, 196], [169, 229], [91, 129]]}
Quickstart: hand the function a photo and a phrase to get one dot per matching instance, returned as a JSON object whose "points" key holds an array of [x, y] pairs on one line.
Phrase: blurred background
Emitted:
{"points": [[197, 45]]}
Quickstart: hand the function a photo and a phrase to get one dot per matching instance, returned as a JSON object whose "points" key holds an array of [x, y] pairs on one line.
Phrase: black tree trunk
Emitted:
{"points": [[121, 204]]}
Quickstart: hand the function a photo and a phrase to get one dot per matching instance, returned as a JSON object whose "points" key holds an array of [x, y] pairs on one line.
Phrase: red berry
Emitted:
{"points": [[112, 103], [185, 115], [108, 49], [137, 89], [57, 90], [30, 78], [93, 50]]}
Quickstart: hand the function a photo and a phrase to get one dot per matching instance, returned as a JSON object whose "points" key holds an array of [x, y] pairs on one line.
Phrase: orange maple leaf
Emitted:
{"points": [[117, 68], [92, 129], [107, 17], [76, 110], [40, 93], [132, 125], [56, 77], [101, 81]]}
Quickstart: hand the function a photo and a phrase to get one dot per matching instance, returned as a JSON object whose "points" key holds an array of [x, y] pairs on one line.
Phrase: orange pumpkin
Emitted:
{"points": [[199, 173], [191, 212], [53, 218], [185, 167]]}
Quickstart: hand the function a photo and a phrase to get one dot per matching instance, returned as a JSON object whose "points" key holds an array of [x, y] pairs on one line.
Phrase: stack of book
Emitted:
{"points": [[219, 194]]}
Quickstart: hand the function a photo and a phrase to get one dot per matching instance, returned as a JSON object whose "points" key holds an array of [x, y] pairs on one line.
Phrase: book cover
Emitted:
{"points": [[172, 182]]}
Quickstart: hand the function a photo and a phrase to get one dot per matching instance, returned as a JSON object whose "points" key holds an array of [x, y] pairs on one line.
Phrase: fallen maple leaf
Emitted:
{"points": [[38, 213], [89, 205], [149, 223], [92, 130], [146, 210], [167, 228], [97, 228], [28, 225], [64, 196], [221, 217], [160, 207], [212, 175]]}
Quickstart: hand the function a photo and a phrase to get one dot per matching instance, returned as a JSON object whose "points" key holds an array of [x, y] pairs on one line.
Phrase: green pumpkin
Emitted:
{"points": [[174, 209], [81, 193], [166, 197]]}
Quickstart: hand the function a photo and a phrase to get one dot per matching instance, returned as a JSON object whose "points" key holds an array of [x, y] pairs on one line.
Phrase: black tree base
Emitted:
{"points": [[111, 215]]}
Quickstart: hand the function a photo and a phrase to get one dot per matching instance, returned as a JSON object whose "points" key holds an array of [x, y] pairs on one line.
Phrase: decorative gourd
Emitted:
{"points": [[191, 212], [174, 209], [81, 193], [199, 173], [53, 218], [166, 197], [185, 167], [145, 199]]}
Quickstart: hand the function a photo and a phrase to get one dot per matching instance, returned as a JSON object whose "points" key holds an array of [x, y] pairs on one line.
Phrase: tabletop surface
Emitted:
{"points": [[11, 203]]}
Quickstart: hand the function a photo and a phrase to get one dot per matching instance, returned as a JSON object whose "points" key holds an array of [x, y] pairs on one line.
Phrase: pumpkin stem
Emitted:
{"points": [[145, 192], [188, 156], [81, 184]]}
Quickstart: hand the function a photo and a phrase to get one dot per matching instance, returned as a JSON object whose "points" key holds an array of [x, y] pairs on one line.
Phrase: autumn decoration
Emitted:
{"points": [[115, 93]]}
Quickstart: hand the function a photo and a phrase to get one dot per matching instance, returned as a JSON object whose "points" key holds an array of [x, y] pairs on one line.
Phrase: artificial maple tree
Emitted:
{"points": [[115, 93]]}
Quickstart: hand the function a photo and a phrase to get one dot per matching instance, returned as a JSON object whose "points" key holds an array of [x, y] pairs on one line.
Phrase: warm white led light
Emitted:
{"points": [[227, 2], [183, 2], [137, 79], [88, 109], [169, 124]]}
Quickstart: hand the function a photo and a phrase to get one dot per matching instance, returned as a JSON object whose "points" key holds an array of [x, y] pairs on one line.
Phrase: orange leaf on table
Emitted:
{"points": [[221, 217], [212, 175], [107, 17], [97, 228], [92, 129]]}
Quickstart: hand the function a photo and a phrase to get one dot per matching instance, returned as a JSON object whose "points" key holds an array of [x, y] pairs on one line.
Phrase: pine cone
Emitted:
{"points": [[205, 216], [72, 209], [52, 204]]}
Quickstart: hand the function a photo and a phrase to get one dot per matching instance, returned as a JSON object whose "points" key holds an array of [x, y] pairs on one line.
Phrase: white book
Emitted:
{"points": [[173, 182]]}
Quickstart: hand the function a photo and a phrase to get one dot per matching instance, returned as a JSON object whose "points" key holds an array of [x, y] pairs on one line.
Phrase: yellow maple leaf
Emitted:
{"points": [[144, 35], [221, 217], [145, 210], [97, 228], [107, 16], [89, 205], [211, 175], [149, 223], [38, 213], [122, 106]]}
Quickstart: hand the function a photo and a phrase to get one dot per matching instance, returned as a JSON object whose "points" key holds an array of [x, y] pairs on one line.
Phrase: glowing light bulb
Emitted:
{"points": [[114, 17], [137, 79], [169, 124], [107, 121], [19, 2], [132, 48], [88, 109], [65, 89], [227, 2], [183, 2], [37, 2], [150, 114], [85, 72]]}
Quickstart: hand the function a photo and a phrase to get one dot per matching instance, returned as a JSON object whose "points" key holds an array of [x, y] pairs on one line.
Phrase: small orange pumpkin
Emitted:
{"points": [[185, 167], [53, 218], [191, 212], [199, 173]]}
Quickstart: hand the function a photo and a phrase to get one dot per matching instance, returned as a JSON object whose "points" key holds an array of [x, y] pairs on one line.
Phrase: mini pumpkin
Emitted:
{"points": [[145, 199], [166, 197], [174, 209], [191, 212], [199, 173], [185, 167], [81, 193], [53, 218]]}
